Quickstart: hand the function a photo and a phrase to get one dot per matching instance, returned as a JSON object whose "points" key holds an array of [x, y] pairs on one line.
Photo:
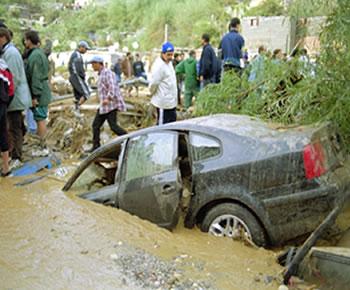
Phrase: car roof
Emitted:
{"points": [[242, 125], [237, 124]]}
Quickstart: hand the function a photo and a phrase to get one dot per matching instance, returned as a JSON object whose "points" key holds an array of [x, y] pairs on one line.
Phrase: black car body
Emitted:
{"points": [[232, 175]]}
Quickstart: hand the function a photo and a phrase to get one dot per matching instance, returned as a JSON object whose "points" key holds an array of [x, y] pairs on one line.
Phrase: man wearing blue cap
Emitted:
{"points": [[111, 101], [77, 74], [163, 86]]}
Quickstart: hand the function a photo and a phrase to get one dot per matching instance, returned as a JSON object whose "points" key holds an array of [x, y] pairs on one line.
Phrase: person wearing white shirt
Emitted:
{"points": [[163, 86]]}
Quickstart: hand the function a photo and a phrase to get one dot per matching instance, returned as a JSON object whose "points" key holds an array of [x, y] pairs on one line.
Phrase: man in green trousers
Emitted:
{"points": [[188, 67]]}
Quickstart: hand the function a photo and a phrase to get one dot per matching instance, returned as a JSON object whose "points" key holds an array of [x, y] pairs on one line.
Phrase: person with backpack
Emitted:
{"points": [[6, 96], [22, 98]]}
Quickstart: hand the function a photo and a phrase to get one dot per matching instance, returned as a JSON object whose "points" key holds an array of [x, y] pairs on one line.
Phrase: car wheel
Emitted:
{"points": [[233, 221]]}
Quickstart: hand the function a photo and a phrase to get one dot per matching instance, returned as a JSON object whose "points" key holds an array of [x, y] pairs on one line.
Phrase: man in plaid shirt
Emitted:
{"points": [[111, 101]]}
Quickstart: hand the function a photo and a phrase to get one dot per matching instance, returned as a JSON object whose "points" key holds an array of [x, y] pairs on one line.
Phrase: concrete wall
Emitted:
{"points": [[272, 32], [313, 25], [309, 30]]}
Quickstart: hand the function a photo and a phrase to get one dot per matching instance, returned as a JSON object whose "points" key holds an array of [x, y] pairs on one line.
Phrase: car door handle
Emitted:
{"points": [[167, 189]]}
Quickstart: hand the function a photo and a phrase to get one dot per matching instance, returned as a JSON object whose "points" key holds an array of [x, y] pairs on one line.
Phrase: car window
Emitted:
{"points": [[150, 154], [100, 171], [203, 147]]}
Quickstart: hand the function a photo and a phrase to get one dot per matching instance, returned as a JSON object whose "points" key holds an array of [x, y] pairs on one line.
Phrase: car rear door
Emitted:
{"points": [[149, 181]]}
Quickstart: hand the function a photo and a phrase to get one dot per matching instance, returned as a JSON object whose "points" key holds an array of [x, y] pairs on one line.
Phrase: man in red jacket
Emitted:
{"points": [[6, 95]]}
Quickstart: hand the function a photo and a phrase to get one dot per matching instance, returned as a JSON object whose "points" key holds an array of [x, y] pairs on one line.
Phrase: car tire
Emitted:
{"points": [[246, 225]]}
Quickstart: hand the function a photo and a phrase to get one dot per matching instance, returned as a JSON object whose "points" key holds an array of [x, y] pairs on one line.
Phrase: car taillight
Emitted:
{"points": [[314, 160]]}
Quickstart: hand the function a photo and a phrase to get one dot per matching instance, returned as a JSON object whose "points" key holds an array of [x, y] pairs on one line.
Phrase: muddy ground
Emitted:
{"points": [[50, 240], [53, 240]]}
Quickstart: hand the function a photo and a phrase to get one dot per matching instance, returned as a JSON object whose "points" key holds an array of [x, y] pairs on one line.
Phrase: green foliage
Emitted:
{"points": [[330, 100], [309, 8], [321, 94], [220, 98], [267, 96], [144, 21], [267, 8]]}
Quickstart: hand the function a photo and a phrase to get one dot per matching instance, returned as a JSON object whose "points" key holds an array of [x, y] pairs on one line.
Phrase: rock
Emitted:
{"points": [[114, 257], [283, 287], [268, 279]]}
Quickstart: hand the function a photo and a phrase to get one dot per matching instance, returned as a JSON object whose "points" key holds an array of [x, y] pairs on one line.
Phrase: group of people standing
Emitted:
{"points": [[24, 85], [163, 84], [130, 67]]}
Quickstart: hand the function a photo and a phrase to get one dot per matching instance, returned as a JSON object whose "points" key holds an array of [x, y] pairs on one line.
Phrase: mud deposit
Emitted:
{"points": [[55, 240], [50, 240]]}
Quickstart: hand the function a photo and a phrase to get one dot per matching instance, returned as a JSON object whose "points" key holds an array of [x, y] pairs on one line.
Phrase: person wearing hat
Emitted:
{"points": [[163, 86], [111, 101], [77, 74]]}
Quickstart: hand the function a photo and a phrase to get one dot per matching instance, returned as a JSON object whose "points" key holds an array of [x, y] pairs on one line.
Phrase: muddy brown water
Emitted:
{"points": [[53, 240]]}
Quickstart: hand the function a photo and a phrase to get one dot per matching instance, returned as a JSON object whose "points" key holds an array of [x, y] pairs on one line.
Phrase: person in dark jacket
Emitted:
{"points": [[117, 70], [138, 67], [179, 78], [77, 74], [37, 72], [207, 63], [6, 95], [231, 46]]}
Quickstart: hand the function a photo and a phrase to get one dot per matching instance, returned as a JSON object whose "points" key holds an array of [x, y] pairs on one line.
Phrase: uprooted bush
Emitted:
{"points": [[291, 92]]}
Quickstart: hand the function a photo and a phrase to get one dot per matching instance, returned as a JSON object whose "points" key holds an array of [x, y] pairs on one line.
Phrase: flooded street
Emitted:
{"points": [[50, 240]]}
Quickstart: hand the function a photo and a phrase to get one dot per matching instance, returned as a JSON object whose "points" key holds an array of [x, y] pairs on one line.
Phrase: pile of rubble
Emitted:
{"points": [[71, 135]]}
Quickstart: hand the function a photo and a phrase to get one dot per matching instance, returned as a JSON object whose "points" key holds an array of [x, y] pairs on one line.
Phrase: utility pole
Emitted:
{"points": [[287, 3], [166, 33]]}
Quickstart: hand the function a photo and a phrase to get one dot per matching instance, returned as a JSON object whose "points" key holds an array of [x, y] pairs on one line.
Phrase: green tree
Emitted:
{"points": [[321, 94], [267, 8]]}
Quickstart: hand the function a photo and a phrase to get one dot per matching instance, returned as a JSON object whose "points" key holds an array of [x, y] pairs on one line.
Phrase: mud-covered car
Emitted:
{"points": [[231, 175]]}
